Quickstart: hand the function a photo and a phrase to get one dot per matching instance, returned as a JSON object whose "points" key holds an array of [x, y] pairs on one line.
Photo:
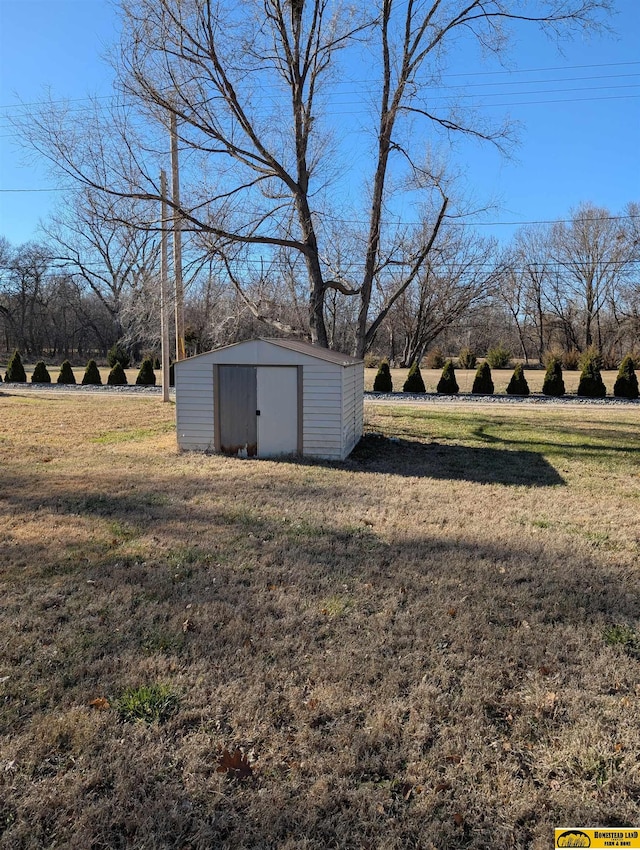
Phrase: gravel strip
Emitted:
{"points": [[126, 389], [395, 398], [470, 398]]}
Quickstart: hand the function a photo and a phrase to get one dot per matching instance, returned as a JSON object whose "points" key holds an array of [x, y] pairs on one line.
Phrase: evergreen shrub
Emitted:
{"points": [[117, 377], [467, 359], [518, 384], [414, 382], [591, 384], [447, 384], [92, 374], [15, 370], [483, 383], [382, 382], [66, 375], [553, 383], [40, 374], [550, 354], [146, 375], [626, 385], [118, 354], [499, 357]]}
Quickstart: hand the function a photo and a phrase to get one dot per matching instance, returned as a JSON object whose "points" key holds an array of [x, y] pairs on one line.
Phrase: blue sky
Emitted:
{"points": [[580, 113]]}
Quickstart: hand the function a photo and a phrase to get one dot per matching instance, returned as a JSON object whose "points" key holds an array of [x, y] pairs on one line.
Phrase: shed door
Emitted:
{"points": [[237, 395], [278, 406]]}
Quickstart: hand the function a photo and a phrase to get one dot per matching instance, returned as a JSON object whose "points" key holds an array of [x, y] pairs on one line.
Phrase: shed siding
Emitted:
{"points": [[194, 405], [352, 407], [322, 409], [348, 406], [332, 397]]}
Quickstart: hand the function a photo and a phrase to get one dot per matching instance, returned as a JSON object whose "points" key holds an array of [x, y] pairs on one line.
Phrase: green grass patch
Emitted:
{"points": [[558, 435], [623, 636], [149, 703]]}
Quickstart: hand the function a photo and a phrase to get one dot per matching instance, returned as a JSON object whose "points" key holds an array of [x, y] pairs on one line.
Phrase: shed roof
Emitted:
{"points": [[297, 345], [318, 351]]}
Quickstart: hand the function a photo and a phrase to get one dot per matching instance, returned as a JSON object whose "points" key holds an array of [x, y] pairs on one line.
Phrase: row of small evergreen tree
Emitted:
{"points": [[16, 373], [591, 384]]}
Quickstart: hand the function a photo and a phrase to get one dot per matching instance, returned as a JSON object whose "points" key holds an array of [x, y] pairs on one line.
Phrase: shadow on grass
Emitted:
{"points": [[376, 453], [241, 597]]}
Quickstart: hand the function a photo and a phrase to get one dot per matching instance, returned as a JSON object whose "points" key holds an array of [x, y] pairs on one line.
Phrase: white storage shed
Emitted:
{"points": [[270, 397]]}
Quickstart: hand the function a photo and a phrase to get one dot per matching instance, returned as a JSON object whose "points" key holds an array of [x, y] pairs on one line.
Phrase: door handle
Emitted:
{"points": [[257, 413]]}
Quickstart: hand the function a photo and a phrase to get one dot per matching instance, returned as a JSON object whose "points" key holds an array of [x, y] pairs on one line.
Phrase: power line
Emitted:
{"points": [[251, 266], [470, 74], [436, 88], [33, 190], [536, 70], [448, 222], [553, 80], [351, 111]]}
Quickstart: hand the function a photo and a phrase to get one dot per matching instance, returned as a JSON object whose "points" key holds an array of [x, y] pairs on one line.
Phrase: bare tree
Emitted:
{"points": [[461, 271], [524, 288], [24, 295], [626, 307], [592, 256], [249, 84], [101, 239]]}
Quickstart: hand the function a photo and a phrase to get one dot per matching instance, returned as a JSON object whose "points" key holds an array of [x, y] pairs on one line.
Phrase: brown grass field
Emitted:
{"points": [[435, 644]]}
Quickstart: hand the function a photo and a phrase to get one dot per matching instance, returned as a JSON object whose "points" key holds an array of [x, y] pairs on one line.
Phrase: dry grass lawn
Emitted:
{"points": [[435, 644]]}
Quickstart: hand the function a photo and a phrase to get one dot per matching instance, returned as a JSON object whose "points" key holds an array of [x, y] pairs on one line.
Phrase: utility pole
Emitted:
{"points": [[177, 241], [164, 288]]}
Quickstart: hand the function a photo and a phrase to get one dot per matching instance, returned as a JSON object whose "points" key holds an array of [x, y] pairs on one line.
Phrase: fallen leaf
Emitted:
{"points": [[458, 819], [100, 704], [443, 786], [454, 758], [236, 764], [452, 612]]}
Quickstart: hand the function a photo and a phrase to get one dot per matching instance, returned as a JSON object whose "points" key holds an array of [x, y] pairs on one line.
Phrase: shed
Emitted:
{"points": [[270, 397]]}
